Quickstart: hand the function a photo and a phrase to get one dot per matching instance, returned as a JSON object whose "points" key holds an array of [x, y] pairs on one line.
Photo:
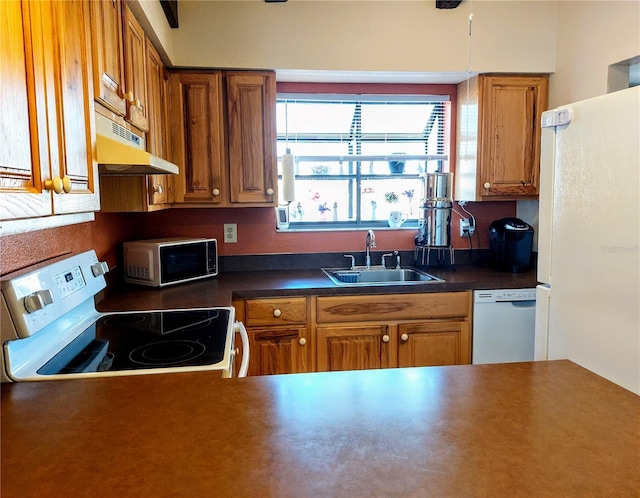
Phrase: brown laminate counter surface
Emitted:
{"points": [[522, 429], [219, 290]]}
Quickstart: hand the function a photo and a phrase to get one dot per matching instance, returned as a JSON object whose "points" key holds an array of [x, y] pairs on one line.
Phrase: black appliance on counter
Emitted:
{"points": [[511, 243]]}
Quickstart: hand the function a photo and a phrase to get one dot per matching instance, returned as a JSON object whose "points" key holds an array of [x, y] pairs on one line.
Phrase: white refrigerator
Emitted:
{"points": [[588, 300]]}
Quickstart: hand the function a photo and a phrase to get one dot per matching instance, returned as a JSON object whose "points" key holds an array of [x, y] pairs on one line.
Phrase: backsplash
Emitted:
{"points": [[256, 234]]}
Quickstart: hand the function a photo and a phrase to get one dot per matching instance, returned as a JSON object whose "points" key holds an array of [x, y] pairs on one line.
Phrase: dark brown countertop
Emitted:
{"points": [[219, 290], [522, 429]]}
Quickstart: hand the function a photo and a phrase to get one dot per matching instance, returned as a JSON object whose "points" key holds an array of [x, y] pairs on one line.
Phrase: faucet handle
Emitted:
{"points": [[384, 263], [397, 255], [353, 260]]}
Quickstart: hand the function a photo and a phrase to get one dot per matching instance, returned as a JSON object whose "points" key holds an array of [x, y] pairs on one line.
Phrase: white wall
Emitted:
{"points": [[591, 36], [574, 39], [392, 35]]}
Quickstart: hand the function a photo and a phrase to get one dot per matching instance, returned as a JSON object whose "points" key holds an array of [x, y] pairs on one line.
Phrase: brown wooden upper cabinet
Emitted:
{"points": [[47, 115], [224, 138], [197, 139], [108, 55], [251, 137], [144, 193], [498, 145], [119, 62], [135, 72]]}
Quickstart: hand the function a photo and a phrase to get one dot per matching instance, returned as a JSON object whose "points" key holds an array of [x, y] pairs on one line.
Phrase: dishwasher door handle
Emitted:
{"points": [[523, 304]]}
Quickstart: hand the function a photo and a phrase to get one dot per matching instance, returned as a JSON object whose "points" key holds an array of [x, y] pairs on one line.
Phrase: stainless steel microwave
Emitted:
{"points": [[169, 261]]}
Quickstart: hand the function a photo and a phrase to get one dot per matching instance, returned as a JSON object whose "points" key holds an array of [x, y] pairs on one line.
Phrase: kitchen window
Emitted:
{"points": [[359, 156]]}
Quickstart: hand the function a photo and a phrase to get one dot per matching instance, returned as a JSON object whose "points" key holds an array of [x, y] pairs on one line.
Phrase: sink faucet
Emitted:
{"points": [[369, 243]]}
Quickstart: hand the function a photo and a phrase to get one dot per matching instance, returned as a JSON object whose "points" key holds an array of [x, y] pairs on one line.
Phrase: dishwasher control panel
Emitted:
{"points": [[504, 295]]}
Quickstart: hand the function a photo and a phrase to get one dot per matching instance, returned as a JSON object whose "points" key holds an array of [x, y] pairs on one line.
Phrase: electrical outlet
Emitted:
{"points": [[231, 233], [466, 227]]}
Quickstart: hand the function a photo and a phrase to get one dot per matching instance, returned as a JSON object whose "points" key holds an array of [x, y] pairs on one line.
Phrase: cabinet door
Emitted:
{"points": [[355, 348], [511, 109], [279, 350], [434, 343], [251, 133], [70, 98], [24, 166], [135, 72], [158, 139], [107, 54], [197, 139]]}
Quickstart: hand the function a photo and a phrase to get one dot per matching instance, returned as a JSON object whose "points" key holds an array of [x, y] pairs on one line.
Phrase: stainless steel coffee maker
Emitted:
{"points": [[435, 230]]}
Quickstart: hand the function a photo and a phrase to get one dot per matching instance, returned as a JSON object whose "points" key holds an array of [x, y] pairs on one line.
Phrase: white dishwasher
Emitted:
{"points": [[503, 325]]}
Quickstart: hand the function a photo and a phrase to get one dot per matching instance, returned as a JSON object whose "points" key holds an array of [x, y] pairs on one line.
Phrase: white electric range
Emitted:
{"points": [[51, 329]]}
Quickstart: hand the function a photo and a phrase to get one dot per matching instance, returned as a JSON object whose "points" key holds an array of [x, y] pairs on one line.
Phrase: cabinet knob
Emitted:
{"points": [[302, 341], [129, 96], [269, 191], [404, 337], [385, 338], [66, 184], [158, 189], [487, 185], [216, 191], [58, 185], [277, 312]]}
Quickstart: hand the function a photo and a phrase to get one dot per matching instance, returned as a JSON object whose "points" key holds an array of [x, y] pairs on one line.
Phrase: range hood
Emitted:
{"points": [[122, 152]]}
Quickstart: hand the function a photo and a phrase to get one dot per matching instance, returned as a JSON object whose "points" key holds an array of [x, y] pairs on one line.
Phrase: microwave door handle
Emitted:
{"points": [[244, 365]]}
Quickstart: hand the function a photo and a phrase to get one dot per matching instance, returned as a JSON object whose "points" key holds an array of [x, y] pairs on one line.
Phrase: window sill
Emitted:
{"points": [[342, 228]]}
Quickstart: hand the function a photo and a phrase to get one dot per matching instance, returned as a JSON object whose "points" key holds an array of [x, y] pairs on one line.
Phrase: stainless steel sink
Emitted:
{"points": [[363, 276]]}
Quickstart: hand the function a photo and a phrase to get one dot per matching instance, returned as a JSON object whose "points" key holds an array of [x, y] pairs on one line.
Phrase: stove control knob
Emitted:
{"points": [[38, 300], [99, 268]]}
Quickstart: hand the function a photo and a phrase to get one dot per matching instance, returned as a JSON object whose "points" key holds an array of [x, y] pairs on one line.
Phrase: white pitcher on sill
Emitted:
{"points": [[397, 218]]}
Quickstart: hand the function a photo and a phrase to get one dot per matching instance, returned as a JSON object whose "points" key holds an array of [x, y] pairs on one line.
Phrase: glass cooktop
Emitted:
{"points": [[145, 340]]}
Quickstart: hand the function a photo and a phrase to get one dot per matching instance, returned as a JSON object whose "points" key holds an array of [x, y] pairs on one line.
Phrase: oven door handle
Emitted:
{"points": [[244, 365]]}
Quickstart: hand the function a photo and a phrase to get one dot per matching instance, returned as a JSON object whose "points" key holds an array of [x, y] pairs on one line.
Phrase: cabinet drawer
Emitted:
{"points": [[279, 311], [392, 307]]}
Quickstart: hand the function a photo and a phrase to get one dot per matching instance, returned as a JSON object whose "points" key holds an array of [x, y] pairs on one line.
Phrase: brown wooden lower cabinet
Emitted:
{"points": [[354, 348], [434, 343], [278, 350], [333, 333], [279, 338]]}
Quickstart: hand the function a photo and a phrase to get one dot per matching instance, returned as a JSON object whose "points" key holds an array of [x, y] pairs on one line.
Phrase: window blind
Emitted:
{"points": [[363, 127]]}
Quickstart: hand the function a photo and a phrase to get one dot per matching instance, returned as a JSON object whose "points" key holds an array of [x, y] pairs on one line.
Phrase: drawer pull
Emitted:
{"points": [[277, 312], [302, 341]]}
